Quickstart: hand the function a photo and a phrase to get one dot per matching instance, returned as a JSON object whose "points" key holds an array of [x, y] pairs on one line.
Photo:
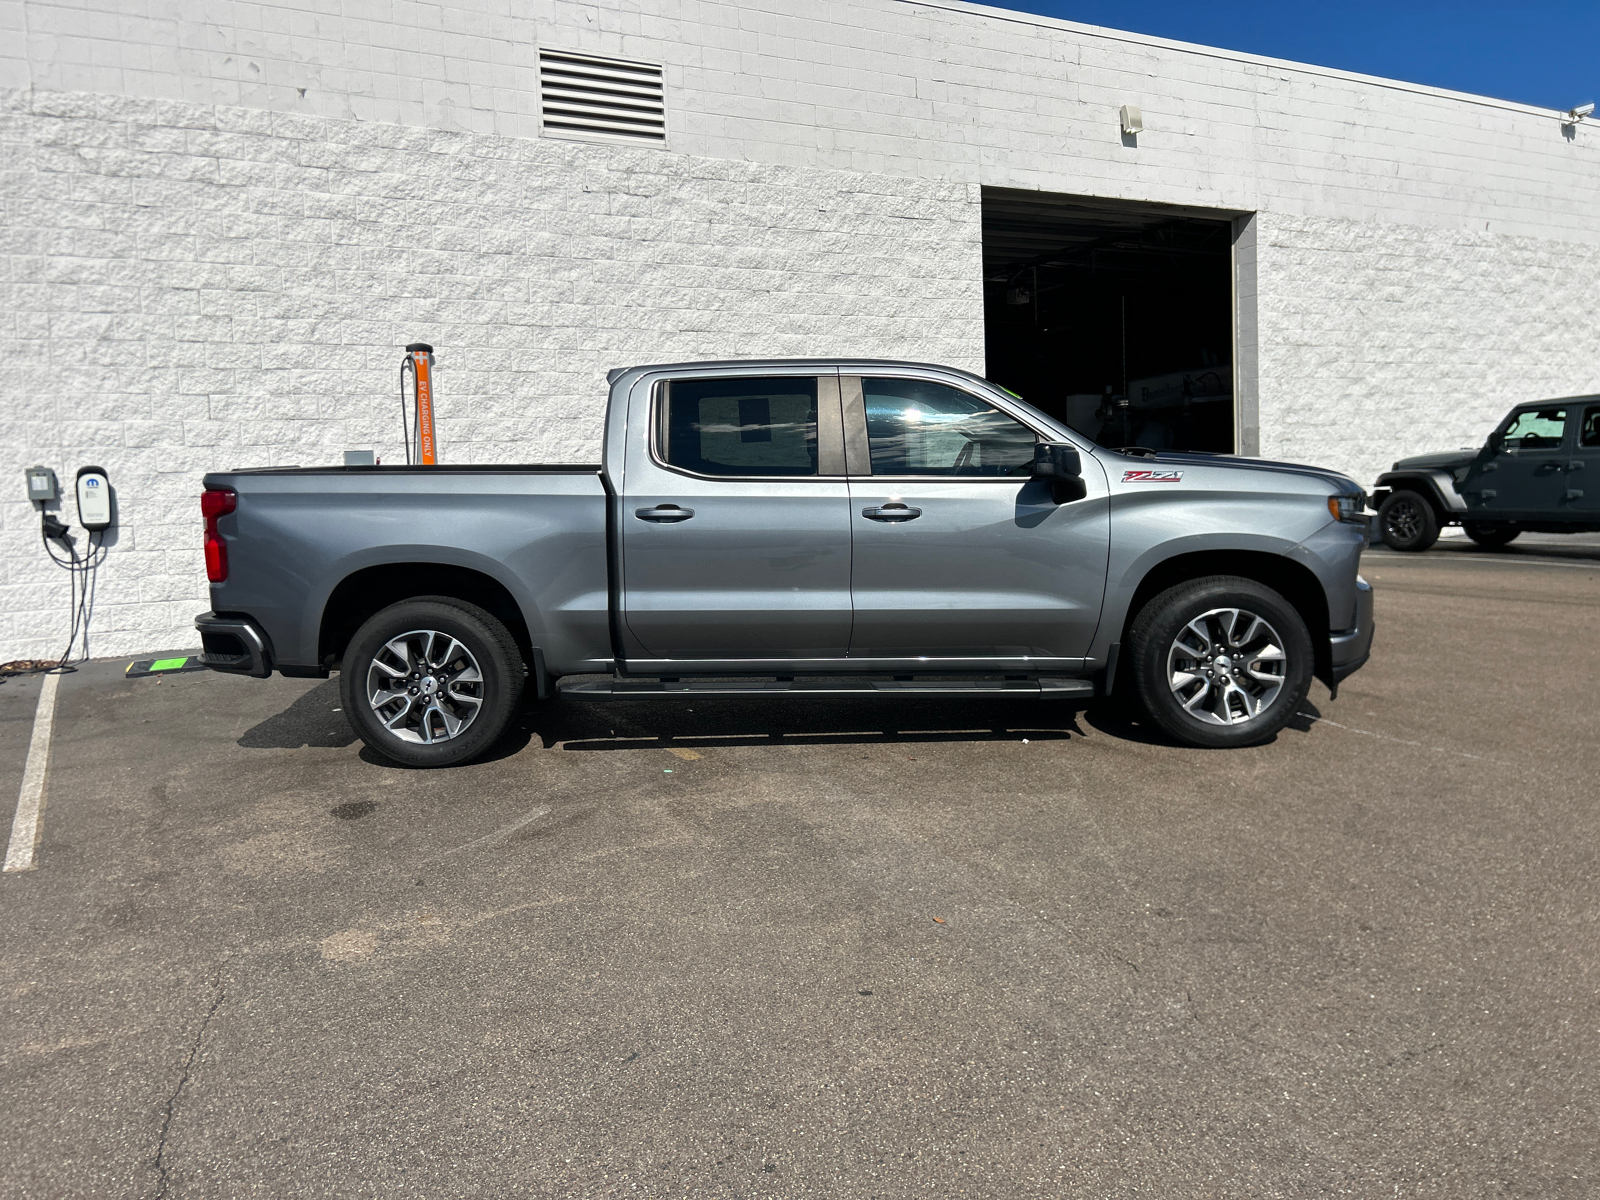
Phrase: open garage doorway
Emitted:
{"points": [[1113, 316]]}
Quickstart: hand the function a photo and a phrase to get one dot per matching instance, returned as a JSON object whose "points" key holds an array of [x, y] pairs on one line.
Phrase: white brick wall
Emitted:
{"points": [[1379, 340], [194, 287], [224, 216]]}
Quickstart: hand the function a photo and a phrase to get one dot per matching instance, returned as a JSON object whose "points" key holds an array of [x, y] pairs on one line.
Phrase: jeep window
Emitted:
{"points": [[755, 426], [916, 427], [1589, 431], [1535, 429]]}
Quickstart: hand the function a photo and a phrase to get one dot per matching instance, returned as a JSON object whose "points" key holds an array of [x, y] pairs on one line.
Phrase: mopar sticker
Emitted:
{"points": [[1152, 477]]}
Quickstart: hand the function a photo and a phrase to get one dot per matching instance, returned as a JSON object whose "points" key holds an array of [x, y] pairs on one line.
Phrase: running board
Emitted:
{"points": [[656, 689]]}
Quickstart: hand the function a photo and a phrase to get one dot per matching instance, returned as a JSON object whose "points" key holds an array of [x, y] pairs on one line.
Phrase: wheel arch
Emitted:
{"points": [[1293, 581], [361, 594], [1423, 485]]}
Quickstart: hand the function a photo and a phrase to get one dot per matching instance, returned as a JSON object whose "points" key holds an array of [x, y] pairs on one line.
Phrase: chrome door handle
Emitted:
{"points": [[664, 513], [893, 511]]}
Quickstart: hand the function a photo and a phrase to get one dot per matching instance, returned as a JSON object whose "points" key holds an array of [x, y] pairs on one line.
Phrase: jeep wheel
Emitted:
{"points": [[1221, 661], [431, 682], [1407, 522], [1492, 534]]}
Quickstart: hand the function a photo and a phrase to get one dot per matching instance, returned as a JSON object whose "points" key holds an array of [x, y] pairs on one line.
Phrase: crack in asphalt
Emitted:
{"points": [[183, 1081]]}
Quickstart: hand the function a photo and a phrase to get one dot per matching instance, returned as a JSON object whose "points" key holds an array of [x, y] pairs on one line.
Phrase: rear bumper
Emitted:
{"points": [[1350, 649], [234, 645]]}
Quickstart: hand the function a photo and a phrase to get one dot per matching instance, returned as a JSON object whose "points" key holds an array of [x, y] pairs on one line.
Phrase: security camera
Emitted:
{"points": [[1577, 114]]}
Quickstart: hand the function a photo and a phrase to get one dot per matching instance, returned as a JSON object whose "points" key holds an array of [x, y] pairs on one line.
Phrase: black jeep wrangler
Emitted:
{"points": [[1539, 472]]}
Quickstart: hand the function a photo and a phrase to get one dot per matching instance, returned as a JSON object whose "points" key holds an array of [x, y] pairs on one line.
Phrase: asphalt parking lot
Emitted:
{"points": [[977, 948]]}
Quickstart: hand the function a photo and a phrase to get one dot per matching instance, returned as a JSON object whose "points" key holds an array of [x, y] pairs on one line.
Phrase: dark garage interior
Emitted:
{"points": [[1113, 316]]}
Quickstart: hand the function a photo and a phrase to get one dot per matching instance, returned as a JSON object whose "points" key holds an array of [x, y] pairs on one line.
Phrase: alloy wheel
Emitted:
{"points": [[1226, 666], [425, 686], [1403, 521]]}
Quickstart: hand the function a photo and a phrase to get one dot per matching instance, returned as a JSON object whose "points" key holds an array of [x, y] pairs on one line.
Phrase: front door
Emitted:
{"points": [[1520, 473], [735, 540], [960, 555]]}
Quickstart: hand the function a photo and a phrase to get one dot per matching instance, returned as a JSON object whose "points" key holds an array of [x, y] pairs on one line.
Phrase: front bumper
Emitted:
{"points": [[1350, 649], [234, 645]]}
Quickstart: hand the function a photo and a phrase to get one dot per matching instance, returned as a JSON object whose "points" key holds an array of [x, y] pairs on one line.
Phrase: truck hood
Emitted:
{"points": [[1340, 483], [1436, 462]]}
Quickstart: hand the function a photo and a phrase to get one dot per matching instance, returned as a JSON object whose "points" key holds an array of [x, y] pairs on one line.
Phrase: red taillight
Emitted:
{"points": [[218, 502], [214, 503], [216, 559]]}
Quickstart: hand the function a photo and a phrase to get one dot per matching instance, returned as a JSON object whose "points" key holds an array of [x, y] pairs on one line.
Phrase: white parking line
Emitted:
{"points": [[25, 825], [1464, 560]]}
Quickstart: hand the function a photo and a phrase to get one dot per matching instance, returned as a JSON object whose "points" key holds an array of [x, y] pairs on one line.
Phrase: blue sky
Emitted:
{"points": [[1539, 52]]}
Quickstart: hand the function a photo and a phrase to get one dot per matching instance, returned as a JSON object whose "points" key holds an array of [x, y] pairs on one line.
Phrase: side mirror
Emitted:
{"points": [[1495, 444], [1058, 462]]}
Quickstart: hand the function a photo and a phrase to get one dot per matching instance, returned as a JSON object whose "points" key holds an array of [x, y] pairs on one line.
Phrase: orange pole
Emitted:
{"points": [[421, 355]]}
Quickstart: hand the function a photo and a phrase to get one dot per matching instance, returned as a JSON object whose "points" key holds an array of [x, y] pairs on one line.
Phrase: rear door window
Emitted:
{"points": [[1589, 428], [917, 427], [1535, 429], [739, 427]]}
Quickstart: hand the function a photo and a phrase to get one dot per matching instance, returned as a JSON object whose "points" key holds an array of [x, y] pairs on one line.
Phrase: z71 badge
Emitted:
{"points": [[1152, 477]]}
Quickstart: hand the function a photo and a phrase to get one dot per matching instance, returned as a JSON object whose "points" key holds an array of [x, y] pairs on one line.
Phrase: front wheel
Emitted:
{"points": [[1492, 534], [1407, 522], [1221, 662], [431, 682]]}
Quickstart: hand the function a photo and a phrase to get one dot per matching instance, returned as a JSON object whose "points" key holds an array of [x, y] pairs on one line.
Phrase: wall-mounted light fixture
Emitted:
{"points": [[1132, 120]]}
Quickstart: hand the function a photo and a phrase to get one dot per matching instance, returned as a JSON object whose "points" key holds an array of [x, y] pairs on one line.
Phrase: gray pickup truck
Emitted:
{"points": [[778, 528]]}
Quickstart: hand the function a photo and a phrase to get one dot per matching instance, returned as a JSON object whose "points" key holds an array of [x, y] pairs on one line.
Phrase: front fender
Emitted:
{"points": [[1438, 486]]}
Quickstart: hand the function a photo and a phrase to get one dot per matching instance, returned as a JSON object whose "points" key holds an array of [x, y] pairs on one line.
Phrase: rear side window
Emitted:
{"points": [[916, 427], [755, 426], [1589, 431], [1535, 429]]}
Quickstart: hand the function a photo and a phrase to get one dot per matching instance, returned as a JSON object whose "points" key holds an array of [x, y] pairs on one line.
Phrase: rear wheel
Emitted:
{"points": [[1492, 534], [1220, 662], [1407, 522], [431, 682]]}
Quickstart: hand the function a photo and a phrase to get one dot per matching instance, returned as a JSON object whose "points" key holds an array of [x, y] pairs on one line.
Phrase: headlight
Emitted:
{"points": [[1350, 508]]}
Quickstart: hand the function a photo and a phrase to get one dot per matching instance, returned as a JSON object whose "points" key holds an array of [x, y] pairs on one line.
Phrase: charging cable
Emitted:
{"points": [[83, 573]]}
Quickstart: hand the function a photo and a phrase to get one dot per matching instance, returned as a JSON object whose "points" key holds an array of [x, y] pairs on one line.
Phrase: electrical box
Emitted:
{"points": [[94, 499], [42, 485]]}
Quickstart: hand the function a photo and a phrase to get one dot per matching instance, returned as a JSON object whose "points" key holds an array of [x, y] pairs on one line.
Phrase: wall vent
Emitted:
{"points": [[584, 96]]}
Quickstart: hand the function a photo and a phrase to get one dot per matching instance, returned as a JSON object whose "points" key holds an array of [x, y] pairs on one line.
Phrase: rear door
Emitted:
{"points": [[734, 524], [1581, 489], [960, 555]]}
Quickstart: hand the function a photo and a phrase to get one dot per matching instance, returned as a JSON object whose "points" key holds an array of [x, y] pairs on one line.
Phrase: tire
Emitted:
{"points": [[1492, 534], [1407, 522], [425, 722], [1175, 637]]}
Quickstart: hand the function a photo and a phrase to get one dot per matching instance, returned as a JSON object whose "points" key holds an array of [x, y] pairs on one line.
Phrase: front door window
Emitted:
{"points": [[1535, 429], [917, 427]]}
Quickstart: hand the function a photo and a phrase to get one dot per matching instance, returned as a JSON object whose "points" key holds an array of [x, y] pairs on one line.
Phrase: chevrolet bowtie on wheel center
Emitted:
{"points": [[785, 528]]}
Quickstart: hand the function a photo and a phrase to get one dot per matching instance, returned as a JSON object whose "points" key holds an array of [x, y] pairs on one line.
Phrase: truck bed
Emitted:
{"points": [[310, 540]]}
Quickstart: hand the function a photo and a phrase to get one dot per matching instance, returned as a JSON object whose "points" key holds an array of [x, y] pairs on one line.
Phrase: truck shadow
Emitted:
{"points": [[315, 719]]}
